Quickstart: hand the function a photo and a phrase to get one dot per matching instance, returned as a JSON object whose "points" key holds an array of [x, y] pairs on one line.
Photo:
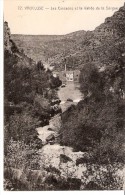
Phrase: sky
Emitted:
{"points": [[47, 17]]}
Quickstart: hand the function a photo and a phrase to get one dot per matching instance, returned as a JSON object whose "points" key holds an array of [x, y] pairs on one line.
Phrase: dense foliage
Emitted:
{"points": [[28, 90], [97, 123], [95, 126]]}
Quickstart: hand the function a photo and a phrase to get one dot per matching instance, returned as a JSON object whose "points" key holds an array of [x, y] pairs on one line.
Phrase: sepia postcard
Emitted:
{"points": [[64, 95]]}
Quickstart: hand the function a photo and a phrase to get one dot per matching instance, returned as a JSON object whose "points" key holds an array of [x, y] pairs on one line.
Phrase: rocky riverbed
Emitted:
{"points": [[63, 158]]}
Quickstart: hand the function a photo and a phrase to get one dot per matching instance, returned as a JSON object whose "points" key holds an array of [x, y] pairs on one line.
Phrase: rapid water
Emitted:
{"points": [[72, 91]]}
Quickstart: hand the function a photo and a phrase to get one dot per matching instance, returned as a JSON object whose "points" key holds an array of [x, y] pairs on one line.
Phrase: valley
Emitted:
{"points": [[64, 109]]}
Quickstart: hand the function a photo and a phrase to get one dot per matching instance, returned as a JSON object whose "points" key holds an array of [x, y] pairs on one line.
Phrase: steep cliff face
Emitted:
{"points": [[111, 30], [105, 49], [105, 44], [7, 44], [15, 64], [114, 26]]}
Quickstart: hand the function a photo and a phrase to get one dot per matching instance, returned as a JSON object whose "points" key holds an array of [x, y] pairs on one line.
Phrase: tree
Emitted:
{"points": [[91, 81]]}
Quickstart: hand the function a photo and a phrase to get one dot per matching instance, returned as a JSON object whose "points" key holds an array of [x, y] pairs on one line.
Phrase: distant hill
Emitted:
{"points": [[79, 47], [49, 48]]}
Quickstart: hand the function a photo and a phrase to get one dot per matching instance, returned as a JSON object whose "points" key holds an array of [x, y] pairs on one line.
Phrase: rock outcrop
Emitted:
{"points": [[7, 36], [12, 48]]}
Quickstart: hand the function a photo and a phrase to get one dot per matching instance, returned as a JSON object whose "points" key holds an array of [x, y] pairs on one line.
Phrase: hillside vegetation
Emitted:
{"points": [[78, 48], [28, 91], [97, 124], [52, 49]]}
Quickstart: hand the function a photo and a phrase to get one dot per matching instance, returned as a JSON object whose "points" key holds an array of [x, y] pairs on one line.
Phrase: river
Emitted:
{"points": [[51, 153], [71, 90]]}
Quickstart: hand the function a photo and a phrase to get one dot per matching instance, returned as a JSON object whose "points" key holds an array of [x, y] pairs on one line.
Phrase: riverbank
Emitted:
{"points": [[52, 153]]}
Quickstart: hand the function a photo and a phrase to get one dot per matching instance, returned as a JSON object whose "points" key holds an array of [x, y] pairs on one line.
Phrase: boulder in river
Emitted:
{"points": [[44, 133], [50, 138], [64, 158], [55, 101], [63, 85], [50, 129], [69, 100]]}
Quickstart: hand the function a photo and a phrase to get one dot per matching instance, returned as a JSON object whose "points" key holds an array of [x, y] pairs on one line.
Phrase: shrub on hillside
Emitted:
{"points": [[41, 106], [21, 127], [97, 123]]}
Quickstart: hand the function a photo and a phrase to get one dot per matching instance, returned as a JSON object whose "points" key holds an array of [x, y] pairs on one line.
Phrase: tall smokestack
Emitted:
{"points": [[65, 67], [65, 64]]}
